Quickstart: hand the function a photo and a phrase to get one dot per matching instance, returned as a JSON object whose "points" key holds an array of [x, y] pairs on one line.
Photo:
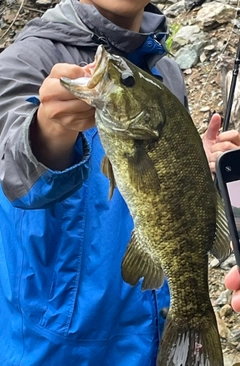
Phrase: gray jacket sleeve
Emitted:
{"points": [[23, 67]]}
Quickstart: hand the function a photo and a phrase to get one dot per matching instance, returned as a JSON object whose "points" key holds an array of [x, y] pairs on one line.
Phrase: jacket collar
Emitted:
{"points": [[154, 22]]}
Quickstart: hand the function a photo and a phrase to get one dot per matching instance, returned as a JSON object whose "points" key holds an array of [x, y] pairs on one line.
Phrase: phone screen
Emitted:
{"points": [[228, 178], [233, 189]]}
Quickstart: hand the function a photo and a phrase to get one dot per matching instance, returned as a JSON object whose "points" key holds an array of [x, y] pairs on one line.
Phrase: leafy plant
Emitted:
{"points": [[174, 28]]}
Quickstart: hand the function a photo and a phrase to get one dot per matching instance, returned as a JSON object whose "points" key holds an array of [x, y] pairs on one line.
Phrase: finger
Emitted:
{"points": [[223, 146], [212, 158], [57, 110], [232, 136], [212, 167], [51, 89], [77, 122], [213, 127], [67, 70], [89, 67], [236, 301], [232, 279]]}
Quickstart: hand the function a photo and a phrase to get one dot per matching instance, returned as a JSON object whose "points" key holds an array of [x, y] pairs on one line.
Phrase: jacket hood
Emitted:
{"points": [[81, 25]]}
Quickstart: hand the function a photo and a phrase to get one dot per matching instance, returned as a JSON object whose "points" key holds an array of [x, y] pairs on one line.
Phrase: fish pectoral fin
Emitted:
{"points": [[142, 171], [107, 170], [221, 247], [139, 262], [183, 344]]}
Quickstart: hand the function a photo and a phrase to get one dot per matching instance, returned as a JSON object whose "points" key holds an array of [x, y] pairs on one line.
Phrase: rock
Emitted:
{"points": [[207, 53], [223, 330], [225, 311], [175, 9], [229, 262], [188, 55], [44, 2], [9, 16], [190, 34], [235, 336], [10, 3], [213, 14], [236, 23], [205, 109], [187, 71], [3, 25], [214, 263], [229, 359], [223, 299]]}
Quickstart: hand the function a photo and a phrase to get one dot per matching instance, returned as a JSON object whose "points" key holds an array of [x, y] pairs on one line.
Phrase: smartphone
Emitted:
{"points": [[228, 179]]}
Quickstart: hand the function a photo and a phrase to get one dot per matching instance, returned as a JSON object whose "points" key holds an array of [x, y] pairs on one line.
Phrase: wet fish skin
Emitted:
{"points": [[160, 168]]}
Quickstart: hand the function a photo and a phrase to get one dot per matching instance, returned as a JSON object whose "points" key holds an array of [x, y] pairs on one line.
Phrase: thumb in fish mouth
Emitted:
{"points": [[78, 87]]}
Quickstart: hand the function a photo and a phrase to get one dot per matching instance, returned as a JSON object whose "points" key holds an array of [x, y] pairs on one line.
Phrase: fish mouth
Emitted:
{"points": [[88, 87], [94, 71], [98, 68]]}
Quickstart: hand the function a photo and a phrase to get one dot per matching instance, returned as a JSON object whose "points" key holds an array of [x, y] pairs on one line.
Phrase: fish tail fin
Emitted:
{"points": [[195, 346]]}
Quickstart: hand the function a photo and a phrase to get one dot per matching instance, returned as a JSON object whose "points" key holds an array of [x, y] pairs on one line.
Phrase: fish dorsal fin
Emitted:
{"points": [[107, 170], [140, 262], [221, 247]]}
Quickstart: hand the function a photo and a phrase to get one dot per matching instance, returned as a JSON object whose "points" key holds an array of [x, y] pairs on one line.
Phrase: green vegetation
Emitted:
{"points": [[174, 28]]}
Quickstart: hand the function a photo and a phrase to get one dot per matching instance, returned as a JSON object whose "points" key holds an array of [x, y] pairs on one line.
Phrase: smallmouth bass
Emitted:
{"points": [[154, 155]]}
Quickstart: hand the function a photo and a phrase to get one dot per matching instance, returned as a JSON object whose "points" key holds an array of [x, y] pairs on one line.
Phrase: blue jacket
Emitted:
{"points": [[62, 298]]}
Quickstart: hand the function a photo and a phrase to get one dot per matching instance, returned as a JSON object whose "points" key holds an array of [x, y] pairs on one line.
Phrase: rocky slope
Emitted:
{"points": [[200, 41]]}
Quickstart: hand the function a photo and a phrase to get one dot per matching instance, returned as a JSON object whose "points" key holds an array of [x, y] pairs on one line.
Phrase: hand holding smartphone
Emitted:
{"points": [[228, 178]]}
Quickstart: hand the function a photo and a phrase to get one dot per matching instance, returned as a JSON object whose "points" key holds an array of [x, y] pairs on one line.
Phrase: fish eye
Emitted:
{"points": [[127, 79]]}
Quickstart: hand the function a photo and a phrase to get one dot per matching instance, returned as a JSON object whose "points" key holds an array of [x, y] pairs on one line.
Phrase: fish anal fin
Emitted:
{"points": [[107, 170], [221, 247], [183, 345], [139, 262]]}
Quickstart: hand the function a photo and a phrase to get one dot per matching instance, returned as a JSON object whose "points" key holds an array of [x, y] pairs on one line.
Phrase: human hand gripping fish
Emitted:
{"points": [[154, 155]]}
